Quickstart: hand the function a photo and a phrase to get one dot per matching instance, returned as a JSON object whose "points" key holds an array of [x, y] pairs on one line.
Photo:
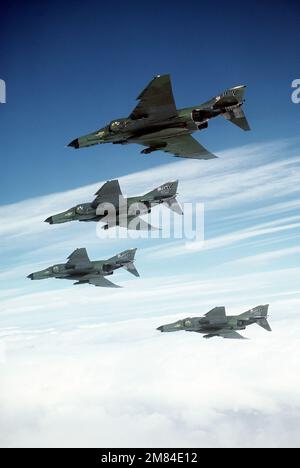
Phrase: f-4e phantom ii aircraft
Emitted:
{"points": [[217, 323], [112, 208], [79, 268], [158, 125]]}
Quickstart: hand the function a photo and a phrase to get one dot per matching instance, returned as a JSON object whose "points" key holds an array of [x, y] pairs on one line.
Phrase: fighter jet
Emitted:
{"points": [[157, 124], [79, 268], [112, 208], [217, 323]]}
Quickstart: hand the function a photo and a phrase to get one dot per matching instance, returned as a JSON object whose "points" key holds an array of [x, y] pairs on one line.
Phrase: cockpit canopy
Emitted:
{"points": [[80, 209], [118, 125], [57, 269], [188, 323], [69, 213], [179, 324], [83, 209]]}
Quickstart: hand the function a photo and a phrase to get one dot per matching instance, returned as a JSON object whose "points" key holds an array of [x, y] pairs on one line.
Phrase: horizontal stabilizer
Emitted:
{"points": [[122, 258], [232, 100], [260, 315], [263, 322], [237, 117], [173, 204], [131, 268]]}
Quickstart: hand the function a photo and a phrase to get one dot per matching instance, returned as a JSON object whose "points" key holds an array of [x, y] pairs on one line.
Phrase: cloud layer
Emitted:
{"points": [[83, 366], [124, 384]]}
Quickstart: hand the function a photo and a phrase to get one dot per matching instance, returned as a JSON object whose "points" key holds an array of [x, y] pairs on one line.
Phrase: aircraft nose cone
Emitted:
{"points": [[74, 143], [161, 329], [49, 220], [30, 276]]}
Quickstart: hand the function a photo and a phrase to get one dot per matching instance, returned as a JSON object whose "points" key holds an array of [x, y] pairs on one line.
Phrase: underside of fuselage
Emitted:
{"points": [[166, 133], [81, 276], [138, 131], [153, 130], [187, 122], [211, 329]]}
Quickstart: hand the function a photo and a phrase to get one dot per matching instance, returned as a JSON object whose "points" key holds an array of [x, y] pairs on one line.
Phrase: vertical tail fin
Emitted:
{"points": [[167, 190], [125, 259], [260, 313], [166, 193], [230, 103], [237, 117]]}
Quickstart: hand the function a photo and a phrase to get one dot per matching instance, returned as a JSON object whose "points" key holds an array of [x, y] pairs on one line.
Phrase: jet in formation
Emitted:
{"points": [[112, 208], [157, 124], [81, 269], [217, 323]]}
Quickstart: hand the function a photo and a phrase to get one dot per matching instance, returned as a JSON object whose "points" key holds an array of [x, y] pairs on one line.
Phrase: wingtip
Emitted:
{"points": [[239, 86], [161, 75]]}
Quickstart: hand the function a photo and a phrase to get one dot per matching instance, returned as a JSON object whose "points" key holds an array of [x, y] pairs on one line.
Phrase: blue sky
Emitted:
{"points": [[84, 365], [70, 70]]}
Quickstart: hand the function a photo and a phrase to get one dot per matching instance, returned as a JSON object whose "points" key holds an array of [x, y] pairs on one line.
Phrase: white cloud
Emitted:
{"points": [[233, 238], [125, 384], [240, 179], [267, 256], [242, 174], [84, 366]]}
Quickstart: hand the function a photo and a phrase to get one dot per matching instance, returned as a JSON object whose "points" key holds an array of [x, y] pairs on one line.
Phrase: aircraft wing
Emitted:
{"points": [[218, 314], [79, 259], [110, 192], [100, 281], [156, 101], [230, 334], [182, 146], [133, 223]]}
